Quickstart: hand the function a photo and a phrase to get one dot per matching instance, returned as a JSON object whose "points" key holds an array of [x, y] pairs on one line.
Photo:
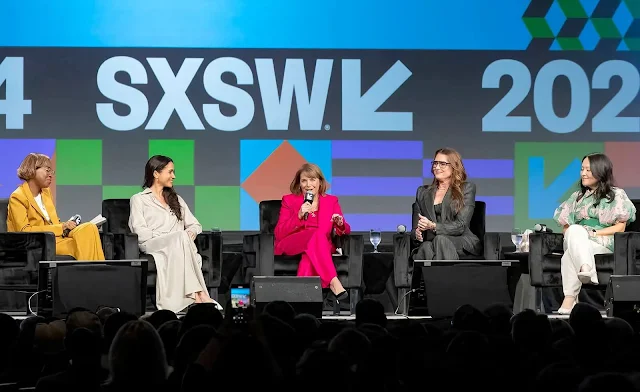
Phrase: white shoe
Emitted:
{"points": [[565, 310], [588, 277]]}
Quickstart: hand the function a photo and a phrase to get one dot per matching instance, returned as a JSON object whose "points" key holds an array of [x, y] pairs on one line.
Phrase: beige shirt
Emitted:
{"points": [[150, 219]]}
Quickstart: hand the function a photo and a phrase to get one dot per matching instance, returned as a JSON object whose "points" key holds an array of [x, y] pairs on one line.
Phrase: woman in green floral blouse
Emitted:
{"points": [[590, 218]]}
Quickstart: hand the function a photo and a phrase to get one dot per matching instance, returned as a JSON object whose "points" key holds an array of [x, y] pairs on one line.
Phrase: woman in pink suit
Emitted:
{"points": [[305, 228]]}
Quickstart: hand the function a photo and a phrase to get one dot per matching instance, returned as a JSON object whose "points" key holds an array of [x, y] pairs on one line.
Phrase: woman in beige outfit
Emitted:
{"points": [[166, 230]]}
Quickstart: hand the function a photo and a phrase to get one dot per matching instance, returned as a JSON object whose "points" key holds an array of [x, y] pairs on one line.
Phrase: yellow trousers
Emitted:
{"points": [[83, 243]]}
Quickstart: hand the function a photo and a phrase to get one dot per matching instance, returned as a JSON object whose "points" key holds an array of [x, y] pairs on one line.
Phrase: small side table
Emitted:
{"points": [[525, 297]]}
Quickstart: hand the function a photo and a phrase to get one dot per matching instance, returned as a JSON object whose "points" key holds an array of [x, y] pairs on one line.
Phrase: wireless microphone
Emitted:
{"points": [[401, 229], [308, 198], [541, 228], [76, 218]]}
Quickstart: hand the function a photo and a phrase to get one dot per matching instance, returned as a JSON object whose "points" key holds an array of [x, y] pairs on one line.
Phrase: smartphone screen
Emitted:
{"points": [[240, 297]]}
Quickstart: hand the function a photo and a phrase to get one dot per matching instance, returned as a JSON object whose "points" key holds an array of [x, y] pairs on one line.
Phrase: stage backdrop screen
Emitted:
{"points": [[241, 93]]}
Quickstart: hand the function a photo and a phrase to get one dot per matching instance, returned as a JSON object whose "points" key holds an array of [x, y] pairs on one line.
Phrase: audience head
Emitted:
{"points": [[201, 314], [560, 377], [160, 317], [370, 311], [169, 334], [37, 169], [160, 172], [586, 321], [309, 178], [596, 173], [137, 357], [191, 345], [607, 382], [281, 310], [113, 324], [499, 318], [532, 334], [447, 167], [469, 318]]}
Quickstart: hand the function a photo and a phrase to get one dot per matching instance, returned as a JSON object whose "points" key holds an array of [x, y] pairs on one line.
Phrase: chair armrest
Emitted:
{"points": [[107, 240], [258, 253], [35, 246], [209, 244], [402, 262], [125, 246], [626, 253], [353, 247], [496, 244], [540, 246]]}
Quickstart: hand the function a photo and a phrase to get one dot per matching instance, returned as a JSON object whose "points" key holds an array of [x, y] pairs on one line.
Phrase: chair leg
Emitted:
{"points": [[539, 302], [354, 298], [403, 301]]}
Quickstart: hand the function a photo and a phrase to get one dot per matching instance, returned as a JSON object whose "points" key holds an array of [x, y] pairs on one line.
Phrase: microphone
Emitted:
{"points": [[541, 228], [76, 218], [401, 229], [308, 198]]}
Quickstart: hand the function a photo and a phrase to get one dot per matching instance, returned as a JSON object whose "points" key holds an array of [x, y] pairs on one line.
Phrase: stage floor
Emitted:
{"points": [[328, 316]]}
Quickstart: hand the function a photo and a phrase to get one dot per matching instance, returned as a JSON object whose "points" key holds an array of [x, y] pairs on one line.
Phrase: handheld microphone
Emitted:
{"points": [[308, 198], [76, 218], [541, 228], [401, 229]]}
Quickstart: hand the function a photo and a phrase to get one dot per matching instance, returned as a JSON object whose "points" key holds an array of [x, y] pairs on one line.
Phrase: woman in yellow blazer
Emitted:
{"points": [[31, 209]]}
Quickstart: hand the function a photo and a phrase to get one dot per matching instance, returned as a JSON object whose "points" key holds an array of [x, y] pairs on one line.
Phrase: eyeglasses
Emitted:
{"points": [[440, 163], [49, 171]]}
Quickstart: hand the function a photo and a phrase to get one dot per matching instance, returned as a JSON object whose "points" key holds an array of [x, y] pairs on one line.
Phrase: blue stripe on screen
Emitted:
{"points": [[376, 149], [375, 186], [498, 205], [294, 24], [479, 168], [384, 222]]}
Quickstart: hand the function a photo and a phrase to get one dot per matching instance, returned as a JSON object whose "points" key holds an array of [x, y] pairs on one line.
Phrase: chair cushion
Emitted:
{"points": [[116, 212], [288, 265]]}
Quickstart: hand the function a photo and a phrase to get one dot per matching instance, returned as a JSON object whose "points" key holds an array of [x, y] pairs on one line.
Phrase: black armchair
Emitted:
{"points": [[546, 249], [20, 254], [404, 247], [125, 246], [260, 259]]}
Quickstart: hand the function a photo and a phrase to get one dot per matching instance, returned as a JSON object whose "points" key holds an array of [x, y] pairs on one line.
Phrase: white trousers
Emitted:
{"points": [[578, 251]]}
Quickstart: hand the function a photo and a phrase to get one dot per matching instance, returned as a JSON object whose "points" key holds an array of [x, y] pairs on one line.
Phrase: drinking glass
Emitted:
{"points": [[516, 238], [375, 237]]}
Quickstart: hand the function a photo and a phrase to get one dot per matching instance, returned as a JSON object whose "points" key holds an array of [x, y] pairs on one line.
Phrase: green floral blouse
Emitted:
{"points": [[605, 214]]}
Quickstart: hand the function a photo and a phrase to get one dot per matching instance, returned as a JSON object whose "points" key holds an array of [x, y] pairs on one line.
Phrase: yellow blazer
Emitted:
{"points": [[25, 215]]}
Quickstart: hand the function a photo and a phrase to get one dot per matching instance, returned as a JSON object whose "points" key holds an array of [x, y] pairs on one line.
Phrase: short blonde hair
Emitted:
{"points": [[312, 170], [30, 164]]}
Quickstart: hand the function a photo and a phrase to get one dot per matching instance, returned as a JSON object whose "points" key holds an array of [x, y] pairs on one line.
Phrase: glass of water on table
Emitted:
{"points": [[516, 238], [375, 236]]}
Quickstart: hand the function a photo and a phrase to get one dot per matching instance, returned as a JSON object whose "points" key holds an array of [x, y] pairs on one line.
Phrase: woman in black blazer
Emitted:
{"points": [[443, 210]]}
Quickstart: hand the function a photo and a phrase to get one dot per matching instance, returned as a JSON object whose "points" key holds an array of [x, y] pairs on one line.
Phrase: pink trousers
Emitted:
{"points": [[315, 248]]}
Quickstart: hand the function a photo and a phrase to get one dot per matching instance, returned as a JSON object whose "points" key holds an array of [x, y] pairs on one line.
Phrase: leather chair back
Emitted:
{"points": [[4, 211], [116, 212], [269, 214], [635, 226]]}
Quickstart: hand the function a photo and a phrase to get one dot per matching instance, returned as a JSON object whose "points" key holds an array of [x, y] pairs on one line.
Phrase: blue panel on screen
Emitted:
{"points": [[13, 152], [498, 205], [253, 153], [479, 168], [412, 24], [376, 149], [384, 222], [318, 152], [376, 186], [249, 212]]}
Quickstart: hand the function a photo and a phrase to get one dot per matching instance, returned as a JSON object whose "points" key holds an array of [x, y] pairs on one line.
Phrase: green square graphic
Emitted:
{"points": [[119, 191], [572, 9], [568, 43], [551, 186], [538, 27], [78, 162], [218, 206], [606, 28], [182, 152]]}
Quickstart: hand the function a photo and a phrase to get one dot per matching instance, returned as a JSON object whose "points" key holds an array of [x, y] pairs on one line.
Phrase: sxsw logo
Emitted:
{"points": [[250, 85], [545, 175]]}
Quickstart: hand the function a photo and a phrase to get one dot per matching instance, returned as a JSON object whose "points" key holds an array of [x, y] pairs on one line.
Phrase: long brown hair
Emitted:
{"points": [[458, 176], [311, 170], [158, 163]]}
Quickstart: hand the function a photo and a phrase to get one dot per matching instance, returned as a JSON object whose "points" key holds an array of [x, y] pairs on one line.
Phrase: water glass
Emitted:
{"points": [[375, 236], [516, 238]]}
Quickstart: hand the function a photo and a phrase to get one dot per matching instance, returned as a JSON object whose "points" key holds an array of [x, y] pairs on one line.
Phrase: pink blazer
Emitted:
{"points": [[289, 224]]}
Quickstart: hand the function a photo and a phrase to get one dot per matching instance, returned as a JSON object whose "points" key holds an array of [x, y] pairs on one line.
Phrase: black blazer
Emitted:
{"points": [[453, 224]]}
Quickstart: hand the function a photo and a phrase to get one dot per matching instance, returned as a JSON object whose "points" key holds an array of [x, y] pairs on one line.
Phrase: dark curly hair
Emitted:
{"points": [[158, 163]]}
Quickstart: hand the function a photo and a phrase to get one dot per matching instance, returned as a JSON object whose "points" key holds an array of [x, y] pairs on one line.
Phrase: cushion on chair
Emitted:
{"points": [[116, 212], [269, 214]]}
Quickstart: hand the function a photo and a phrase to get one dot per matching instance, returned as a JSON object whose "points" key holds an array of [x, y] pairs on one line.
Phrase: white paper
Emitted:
{"points": [[98, 220]]}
